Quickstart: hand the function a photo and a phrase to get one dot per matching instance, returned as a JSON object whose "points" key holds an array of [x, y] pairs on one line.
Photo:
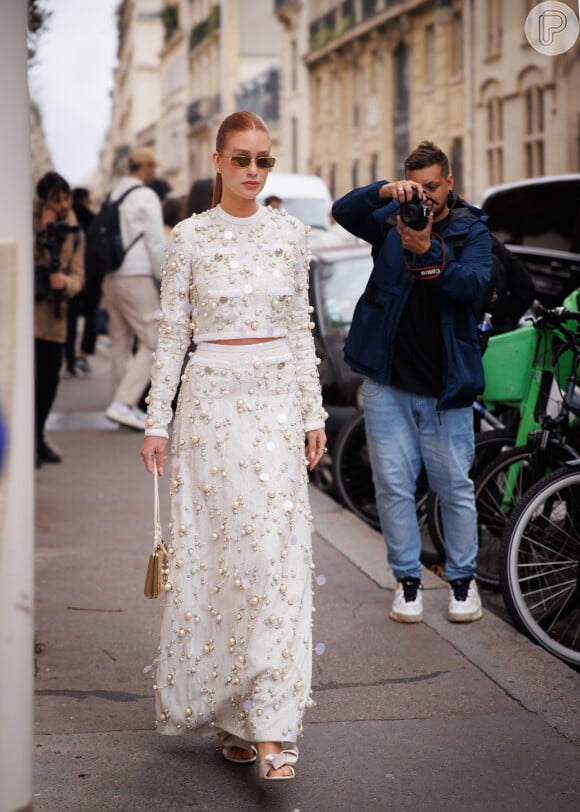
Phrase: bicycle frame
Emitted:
{"points": [[522, 368]]}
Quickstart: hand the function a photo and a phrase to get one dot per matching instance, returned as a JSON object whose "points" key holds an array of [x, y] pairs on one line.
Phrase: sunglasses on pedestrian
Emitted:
{"points": [[242, 161]]}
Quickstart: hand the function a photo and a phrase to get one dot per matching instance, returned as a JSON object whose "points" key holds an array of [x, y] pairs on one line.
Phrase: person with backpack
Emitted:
{"points": [[131, 283], [414, 338]]}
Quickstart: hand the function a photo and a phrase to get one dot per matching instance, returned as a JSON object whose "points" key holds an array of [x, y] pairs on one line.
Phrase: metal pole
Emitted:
{"points": [[17, 395]]}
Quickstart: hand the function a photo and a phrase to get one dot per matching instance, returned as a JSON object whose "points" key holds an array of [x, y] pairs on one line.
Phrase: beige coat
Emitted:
{"points": [[72, 263]]}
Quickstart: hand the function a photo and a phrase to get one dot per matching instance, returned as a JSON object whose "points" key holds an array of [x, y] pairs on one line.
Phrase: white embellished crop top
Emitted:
{"points": [[230, 277]]}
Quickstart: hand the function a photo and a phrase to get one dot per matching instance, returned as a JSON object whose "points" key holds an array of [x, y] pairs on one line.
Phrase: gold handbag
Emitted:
{"points": [[156, 579]]}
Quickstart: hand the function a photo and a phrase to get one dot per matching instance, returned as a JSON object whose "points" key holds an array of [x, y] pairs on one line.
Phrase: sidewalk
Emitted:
{"points": [[433, 716]]}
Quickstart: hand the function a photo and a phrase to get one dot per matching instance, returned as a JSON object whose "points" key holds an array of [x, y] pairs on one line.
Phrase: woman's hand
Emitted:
{"points": [[154, 449], [315, 447]]}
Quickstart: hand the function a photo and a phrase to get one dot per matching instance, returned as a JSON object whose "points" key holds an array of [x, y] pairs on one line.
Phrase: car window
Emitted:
{"points": [[313, 211], [341, 284]]}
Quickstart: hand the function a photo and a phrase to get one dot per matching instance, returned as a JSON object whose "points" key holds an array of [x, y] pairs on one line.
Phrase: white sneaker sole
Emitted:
{"points": [[453, 618], [125, 423], [400, 618]]}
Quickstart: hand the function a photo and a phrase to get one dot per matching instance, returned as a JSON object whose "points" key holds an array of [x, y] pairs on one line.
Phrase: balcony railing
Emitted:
{"points": [[203, 109], [279, 4]]}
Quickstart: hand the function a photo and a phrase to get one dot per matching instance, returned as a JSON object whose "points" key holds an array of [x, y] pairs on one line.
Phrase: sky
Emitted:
{"points": [[71, 82]]}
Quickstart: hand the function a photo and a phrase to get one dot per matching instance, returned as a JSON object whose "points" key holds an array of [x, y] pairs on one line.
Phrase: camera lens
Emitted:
{"points": [[415, 213]]}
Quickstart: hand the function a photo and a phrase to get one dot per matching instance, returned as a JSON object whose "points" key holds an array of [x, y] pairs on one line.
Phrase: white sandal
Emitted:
{"points": [[228, 742], [275, 761]]}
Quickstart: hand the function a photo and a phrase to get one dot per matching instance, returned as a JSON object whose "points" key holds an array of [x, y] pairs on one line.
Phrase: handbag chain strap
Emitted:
{"points": [[157, 532]]}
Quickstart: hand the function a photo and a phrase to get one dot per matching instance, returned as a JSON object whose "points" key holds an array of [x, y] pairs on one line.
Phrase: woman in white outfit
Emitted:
{"points": [[235, 653]]}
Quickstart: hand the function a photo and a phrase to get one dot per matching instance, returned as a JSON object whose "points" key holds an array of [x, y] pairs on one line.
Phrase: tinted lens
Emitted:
{"points": [[262, 161]]}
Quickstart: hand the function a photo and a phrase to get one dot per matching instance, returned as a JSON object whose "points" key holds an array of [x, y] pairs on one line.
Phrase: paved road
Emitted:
{"points": [[432, 717]]}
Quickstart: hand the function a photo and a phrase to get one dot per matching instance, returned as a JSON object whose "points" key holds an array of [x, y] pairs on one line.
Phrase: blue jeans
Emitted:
{"points": [[404, 430]]}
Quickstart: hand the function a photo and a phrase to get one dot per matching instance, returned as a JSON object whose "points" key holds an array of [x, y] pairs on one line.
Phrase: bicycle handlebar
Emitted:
{"points": [[557, 315]]}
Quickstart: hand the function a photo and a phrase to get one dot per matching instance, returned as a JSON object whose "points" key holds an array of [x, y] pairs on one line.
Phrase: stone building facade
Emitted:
{"points": [[386, 74], [526, 105], [347, 87]]}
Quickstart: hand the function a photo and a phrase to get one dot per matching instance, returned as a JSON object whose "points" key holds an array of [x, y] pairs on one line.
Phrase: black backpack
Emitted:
{"points": [[104, 252], [510, 290]]}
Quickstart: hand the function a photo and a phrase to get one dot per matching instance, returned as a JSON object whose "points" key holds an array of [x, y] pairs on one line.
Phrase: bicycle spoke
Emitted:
{"points": [[541, 562]]}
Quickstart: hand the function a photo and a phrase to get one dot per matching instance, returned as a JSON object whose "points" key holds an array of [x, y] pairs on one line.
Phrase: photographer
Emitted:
{"points": [[413, 336], [59, 274]]}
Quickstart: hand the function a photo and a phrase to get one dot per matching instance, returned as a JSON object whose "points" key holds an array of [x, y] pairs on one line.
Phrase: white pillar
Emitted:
{"points": [[16, 394]]}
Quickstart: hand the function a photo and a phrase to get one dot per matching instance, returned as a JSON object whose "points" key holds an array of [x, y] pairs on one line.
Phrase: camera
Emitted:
{"points": [[54, 235], [53, 238], [415, 213]]}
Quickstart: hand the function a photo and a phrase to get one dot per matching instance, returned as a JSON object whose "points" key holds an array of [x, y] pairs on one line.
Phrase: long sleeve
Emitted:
{"points": [[154, 235], [302, 343], [76, 277], [174, 332]]}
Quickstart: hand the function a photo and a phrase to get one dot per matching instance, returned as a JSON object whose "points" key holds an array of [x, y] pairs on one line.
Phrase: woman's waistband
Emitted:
{"points": [[276, 351]]}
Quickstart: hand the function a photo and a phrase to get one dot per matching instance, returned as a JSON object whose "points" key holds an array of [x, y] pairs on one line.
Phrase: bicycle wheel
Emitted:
{"points": [[351, 472], [488, 446], [515, 471], [353, 481], [540, 564]]}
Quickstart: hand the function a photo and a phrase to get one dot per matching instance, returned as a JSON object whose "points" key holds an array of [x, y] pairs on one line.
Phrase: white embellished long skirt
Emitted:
{"points": [[235, 650]]}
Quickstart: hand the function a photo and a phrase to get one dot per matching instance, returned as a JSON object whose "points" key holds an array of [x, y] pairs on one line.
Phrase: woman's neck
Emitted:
{"points": [[238, 207]]}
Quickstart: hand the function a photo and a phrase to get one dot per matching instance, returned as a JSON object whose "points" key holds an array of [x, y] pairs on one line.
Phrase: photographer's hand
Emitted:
{"points": [[401, 190], [417, 242], [47, 215]]}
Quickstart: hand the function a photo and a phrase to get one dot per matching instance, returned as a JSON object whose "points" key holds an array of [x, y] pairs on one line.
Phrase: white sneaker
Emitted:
{"points": [[124, 415], [464, 601], [408, 601]]}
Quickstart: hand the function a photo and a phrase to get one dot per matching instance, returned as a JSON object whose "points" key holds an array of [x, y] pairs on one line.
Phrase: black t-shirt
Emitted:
{"points": [[419, 343]]}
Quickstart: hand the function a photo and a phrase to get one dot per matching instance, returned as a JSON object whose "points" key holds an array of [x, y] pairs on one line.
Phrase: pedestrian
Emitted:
{"points": [[59, 275], [86, 302], [173, 210], [131, 293], [413, 336], [200, 196], [235, 655], [274, 201]]}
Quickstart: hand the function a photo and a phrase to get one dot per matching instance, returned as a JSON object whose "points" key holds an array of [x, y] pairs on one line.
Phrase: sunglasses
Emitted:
{"points": [[262, 161]]}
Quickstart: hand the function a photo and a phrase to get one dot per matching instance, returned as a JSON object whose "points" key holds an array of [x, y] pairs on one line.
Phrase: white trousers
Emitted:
{"points": [[132, 303]]}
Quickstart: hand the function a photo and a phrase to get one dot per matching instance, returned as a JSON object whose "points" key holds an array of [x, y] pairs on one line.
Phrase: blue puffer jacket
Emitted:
{"points": [[370, 343]]}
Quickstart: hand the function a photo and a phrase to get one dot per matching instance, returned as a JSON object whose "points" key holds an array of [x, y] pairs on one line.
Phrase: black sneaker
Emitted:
{"points": [[46, 454]]}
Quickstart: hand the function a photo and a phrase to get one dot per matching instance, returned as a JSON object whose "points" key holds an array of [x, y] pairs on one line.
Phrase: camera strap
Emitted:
{"points": [[429, 272]]}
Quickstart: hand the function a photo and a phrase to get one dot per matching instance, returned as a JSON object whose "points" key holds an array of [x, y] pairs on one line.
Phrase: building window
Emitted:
{"points": [[429, 56], [354, 174], [401, 113], [534, 130], [332, 181], [369, 7], [358, 95], [374, 168], [494, 111], [493, 22], [457, 45], [457, 164], [293, 66], [294, 136]]}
